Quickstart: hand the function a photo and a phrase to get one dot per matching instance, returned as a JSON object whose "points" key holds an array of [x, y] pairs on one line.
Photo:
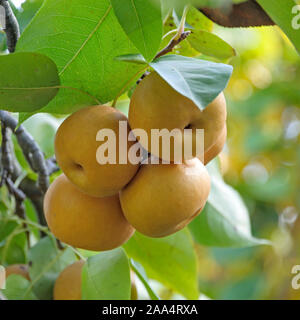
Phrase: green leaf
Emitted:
{"points": [[46, 263], [13, 248], [285, 14], [16, 285], [225, 221], [140, 272], [198, 20], [200, 81], [106, 276], [142, 22], [6, 226], [133, 58], [28, 81], [170, 260], [29, 9], [83, 38], [31, 215], [210, 44]]}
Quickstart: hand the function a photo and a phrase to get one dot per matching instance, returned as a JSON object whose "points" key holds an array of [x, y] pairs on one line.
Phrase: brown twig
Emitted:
{"points": [[59, 244], [5, 156], [245, 14], [173, 43], [169, 48]]}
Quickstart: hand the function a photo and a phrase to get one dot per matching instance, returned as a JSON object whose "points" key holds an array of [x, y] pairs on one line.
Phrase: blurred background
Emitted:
{"points": [[261, 160]]}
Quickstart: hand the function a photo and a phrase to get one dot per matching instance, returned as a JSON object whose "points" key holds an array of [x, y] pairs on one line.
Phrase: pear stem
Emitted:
{"points": [[180, 36], [182, 23]]}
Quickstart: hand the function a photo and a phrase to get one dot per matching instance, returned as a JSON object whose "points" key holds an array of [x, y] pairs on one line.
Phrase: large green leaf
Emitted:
{"points": [[28, 81], [225, 221], [16, 285], [142, 22], [199, 80], [46, 262], [170, 260], [83, 38], [286, 15], [106, 276]]}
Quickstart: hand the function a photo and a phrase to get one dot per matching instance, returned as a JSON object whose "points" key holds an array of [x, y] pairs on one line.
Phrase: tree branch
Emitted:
{"points": [[7, 169], [29, 187], [245, 14], [31, 151], [12, 29], [33, 190], [173, 43], [169, 48]]}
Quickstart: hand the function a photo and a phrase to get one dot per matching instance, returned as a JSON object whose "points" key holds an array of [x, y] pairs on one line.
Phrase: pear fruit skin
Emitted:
{"points": [[82, 221], [68, 284], [163, 198], [19, 269], [76, 148], [216, 148], [156, 105]]}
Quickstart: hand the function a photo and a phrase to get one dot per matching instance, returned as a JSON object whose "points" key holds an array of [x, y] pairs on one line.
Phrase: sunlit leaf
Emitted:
{"points": [[170, 260], [106, 276]]}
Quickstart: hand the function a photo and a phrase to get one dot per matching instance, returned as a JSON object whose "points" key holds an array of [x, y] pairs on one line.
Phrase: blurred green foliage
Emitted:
{"points": [[262, 161]]}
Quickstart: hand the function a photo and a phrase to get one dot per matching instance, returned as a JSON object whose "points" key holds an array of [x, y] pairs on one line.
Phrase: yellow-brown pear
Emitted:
{"points": [[68, 284], [18, 269], [83, 221], [216, 148], [156, 105], [164, 198], [76, 151]]}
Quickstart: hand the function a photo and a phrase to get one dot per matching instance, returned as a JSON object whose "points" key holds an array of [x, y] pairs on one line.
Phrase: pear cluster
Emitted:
{"points": [[99, 206]]}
